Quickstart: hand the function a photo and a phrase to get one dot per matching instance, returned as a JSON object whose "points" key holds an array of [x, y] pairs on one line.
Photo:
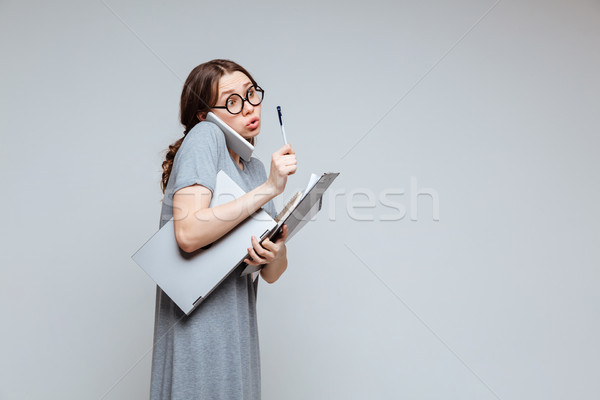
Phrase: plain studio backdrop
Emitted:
{"points": [[456, 256]]}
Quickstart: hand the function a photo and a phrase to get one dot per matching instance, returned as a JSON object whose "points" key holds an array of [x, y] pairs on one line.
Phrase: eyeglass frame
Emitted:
{"points": [[256, 88]]}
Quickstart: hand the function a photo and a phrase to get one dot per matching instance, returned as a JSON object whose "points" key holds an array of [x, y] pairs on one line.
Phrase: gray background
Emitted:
{"points": [[493, 106]]}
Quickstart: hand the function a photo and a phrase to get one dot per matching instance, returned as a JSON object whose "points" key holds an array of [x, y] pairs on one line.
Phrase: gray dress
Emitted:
{"points": [[213, 353]]}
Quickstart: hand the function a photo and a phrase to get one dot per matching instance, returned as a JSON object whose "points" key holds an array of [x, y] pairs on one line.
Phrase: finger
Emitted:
{"points": [[269, 245], [284, 232], [260, 250], [290, 170], [286, 161], [251, 262], [285, 149], [258, 259], [289, 160], [283, 236]]}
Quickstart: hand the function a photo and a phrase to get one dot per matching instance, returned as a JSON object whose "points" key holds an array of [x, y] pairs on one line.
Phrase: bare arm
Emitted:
{"points": [[196, 225]]}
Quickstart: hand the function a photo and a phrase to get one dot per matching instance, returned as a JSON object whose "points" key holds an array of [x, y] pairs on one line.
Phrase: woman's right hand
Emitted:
{"points": [[283, 163]]}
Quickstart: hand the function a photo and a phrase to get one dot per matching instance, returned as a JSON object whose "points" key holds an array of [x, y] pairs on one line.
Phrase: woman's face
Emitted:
{"points": [[247, 122]]}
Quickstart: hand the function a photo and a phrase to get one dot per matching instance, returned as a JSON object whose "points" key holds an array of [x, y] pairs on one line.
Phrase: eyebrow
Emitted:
{"points": [[233, 91]]}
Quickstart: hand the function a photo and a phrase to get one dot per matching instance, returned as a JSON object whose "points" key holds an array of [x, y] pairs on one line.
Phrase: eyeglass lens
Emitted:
{"points": [[235, 103]]}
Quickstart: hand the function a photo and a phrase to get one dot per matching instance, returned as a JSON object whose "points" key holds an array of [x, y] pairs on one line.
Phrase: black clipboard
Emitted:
{"points": [[303, 212]]}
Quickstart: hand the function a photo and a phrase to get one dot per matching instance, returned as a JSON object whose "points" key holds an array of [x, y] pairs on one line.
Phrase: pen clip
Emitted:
{"points": [[279, 115]]}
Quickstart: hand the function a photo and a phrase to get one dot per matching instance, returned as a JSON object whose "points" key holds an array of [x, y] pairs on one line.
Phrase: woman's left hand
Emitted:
{"points": [[268, 251]]}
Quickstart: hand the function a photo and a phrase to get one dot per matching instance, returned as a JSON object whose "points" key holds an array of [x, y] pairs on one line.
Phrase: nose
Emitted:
{"points": [[248, 108]]}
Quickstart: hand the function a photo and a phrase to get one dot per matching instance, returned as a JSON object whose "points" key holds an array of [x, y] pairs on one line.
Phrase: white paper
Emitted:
{"points": [[314, 178]]}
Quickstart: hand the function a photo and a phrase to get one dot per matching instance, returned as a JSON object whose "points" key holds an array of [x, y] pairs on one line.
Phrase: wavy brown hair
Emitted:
{"points": [[199, 95]]}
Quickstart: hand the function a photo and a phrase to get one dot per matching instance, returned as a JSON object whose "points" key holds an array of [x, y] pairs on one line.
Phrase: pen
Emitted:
{"points": [[281, 124]]}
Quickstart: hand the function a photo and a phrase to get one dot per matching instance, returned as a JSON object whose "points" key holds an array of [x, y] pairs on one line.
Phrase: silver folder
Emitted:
{"points": [[188, 278]]}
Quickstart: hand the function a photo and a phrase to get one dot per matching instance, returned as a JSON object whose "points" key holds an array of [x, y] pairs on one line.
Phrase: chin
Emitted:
{"points": [[252, 134]]}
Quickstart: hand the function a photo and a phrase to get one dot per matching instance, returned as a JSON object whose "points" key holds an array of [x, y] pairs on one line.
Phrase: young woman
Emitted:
{"points": [[214, 353]]}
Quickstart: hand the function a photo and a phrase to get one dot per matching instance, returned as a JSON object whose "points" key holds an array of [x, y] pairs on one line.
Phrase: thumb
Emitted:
{"points": [[284, 233]]}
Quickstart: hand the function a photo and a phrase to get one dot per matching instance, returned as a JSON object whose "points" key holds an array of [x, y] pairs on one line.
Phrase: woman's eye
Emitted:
{"points": [[251, 93], [231, 101]]}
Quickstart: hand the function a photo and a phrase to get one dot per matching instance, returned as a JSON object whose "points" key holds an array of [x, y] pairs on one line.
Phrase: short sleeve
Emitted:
{"points": [[197, 160]]}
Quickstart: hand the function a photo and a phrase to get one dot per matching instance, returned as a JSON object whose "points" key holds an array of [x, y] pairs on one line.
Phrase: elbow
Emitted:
{"points": [[190, 239], [270, 280], [184, 241]]}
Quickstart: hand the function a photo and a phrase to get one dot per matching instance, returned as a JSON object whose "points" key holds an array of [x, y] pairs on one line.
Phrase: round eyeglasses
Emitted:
{"points": [[235, 103]]}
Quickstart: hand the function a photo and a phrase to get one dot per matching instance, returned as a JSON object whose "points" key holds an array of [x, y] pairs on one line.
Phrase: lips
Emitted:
{"points": [[253, 123]]}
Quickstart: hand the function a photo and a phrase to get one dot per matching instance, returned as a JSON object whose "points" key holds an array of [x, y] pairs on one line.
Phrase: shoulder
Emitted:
{"points": [[203, 140], [205, 132]]}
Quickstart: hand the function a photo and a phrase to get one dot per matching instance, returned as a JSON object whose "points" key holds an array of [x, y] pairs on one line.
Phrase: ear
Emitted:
{"points": [[201, 115]]}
